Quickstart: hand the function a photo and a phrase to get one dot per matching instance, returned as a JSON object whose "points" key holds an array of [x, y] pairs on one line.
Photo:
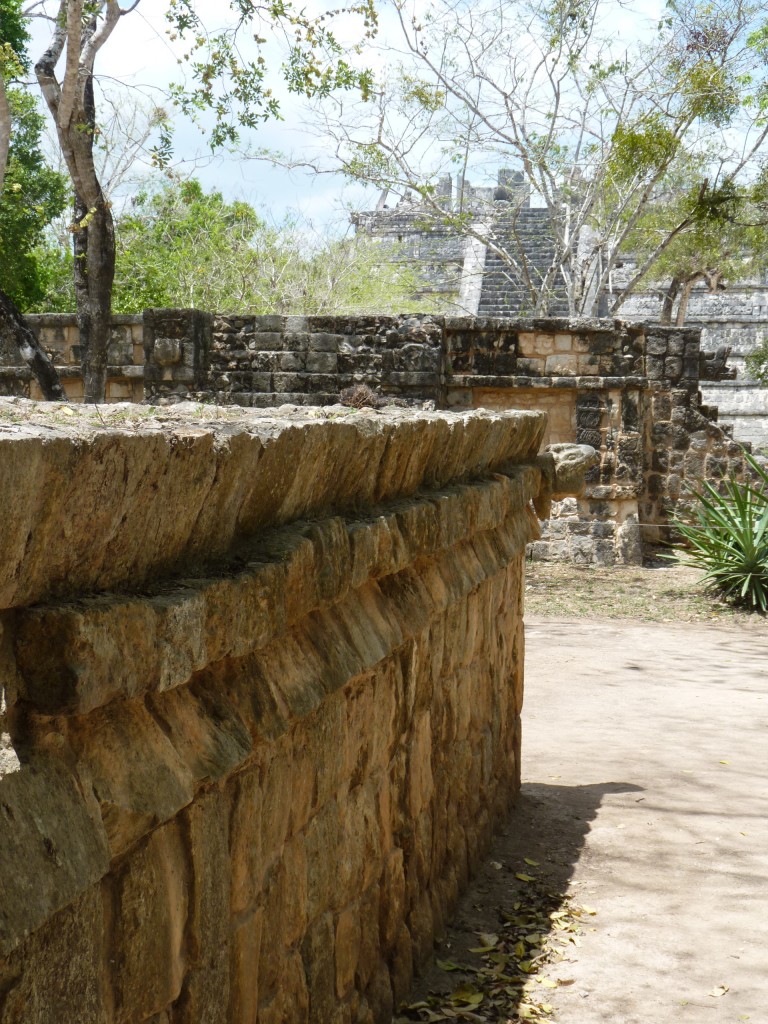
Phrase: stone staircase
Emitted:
{"points": [[504, 293]]}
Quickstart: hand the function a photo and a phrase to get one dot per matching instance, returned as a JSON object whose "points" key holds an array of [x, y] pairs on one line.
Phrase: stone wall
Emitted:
{"points": [[631, 391], [737, 318], [263, 680], [153, 354]]}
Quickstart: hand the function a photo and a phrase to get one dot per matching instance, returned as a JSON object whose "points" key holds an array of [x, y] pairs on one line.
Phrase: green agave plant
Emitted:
{"points": [[727, 536]]}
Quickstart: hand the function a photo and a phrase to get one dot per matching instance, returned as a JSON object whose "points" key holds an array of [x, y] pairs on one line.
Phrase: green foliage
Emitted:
{"points": [[723, 230], [757, 363], [641, 147], [421, 93], [13, 38], [727, 535], [178, 245], [230, 70], [33, 194], [711, 84]]}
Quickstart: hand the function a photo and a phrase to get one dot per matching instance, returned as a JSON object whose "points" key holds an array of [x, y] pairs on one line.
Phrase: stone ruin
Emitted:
{"points": [[261, 679], [461, 275], [631, 391]]}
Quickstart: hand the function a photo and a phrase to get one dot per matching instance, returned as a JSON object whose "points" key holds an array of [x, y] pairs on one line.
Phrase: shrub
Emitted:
{"points": [[757, 363], [726, 531]]}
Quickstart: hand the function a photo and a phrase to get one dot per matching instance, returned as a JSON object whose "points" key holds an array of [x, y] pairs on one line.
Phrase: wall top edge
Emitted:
{"points": [[110, 497], [323, 322]]}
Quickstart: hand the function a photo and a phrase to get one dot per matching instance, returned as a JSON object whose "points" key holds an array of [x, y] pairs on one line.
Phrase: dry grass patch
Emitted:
{"points": [[652, 593]]}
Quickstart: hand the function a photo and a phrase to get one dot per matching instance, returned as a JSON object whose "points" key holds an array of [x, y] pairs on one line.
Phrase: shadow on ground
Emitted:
{"points": [[521, 924]]}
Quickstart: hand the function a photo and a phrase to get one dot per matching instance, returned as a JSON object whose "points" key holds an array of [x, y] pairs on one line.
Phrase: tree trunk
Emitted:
{"points": [[94, 264], [669, 301], [73, 108], [12, 325], [682, 308], [5, 131]]}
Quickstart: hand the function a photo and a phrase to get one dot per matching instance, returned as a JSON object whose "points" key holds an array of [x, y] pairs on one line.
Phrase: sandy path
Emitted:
{"points": [[645, 771]]}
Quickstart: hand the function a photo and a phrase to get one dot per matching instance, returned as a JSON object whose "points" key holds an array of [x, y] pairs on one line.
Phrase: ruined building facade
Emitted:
{"points": [[459, 274]]}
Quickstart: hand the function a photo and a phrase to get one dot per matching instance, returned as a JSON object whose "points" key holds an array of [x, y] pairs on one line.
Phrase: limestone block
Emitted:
{"points": [[59, 975], [245, 945], [150, 894], [271, 973], [379, 994], [205, 994], [392, 906], [401, 970], [323, 837], [285, 895], [276, 779], [291, 1000], [562, 364], [347, 950], [527, 343], [52, 847], [321, 361], [421, 929], [119, 391], [245, 840], [359, 854], [166, 351], [125, 759], [418, 858], [206, 825], [317, 952], [420, 765], [323, 739], [72, 659], [260, 707], [181, 636]]}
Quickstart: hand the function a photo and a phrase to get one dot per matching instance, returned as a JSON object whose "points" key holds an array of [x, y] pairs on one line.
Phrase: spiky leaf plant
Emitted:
{"points": [[727, 535]]}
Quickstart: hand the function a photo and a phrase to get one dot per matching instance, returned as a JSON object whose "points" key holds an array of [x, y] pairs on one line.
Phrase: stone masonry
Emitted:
{"points": [[465, 276], [462, 275], [631, 391], [262, 682]]}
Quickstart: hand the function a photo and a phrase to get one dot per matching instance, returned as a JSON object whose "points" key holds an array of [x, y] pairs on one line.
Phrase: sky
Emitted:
{"points": [[141, 54]]}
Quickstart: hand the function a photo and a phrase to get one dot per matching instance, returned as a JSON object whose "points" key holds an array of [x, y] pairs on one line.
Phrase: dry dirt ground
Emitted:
{"points": [[631, 883]]}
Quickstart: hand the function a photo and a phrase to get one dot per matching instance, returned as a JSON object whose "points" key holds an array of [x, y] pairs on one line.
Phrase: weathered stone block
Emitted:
{"points": [[322, 362], [59, 973], [656, 345], [166, 351], [347, 950], [151, 897], [244, 963], [673, 367], [317, 952], [245, 840]]}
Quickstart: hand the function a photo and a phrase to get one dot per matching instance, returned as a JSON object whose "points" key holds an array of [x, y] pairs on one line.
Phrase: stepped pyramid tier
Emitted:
{"points": [[457, 269]]}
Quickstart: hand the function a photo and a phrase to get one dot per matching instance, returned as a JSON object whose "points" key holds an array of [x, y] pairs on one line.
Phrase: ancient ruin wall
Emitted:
{"points": [[630, 390], [263, 680]]}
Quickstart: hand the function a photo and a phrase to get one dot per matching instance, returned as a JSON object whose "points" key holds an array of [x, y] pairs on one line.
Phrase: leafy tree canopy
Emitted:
{"points": [[178, 245], [32, 193], [592, 120]]}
